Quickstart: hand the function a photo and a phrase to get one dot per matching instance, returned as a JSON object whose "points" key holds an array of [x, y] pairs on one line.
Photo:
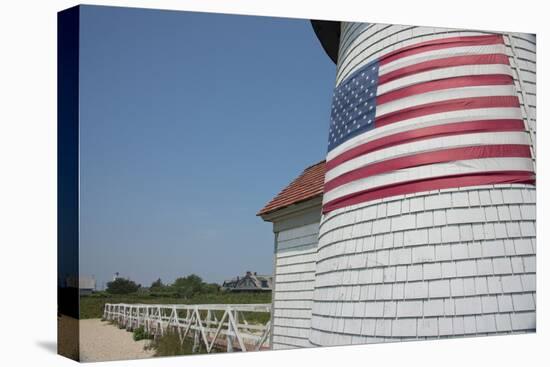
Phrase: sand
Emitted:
{"points": [[101, 341]]}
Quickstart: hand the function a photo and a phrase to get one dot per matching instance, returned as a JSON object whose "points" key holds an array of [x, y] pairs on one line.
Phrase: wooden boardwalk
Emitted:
{"points": [[214, 326]]}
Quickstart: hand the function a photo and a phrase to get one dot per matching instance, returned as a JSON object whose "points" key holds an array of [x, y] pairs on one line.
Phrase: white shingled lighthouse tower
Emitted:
{"points": [[453, 252], [423, 226]]}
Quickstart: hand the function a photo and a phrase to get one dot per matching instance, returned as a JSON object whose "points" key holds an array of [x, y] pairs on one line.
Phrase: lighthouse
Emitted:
{"points": [[428, 213]]}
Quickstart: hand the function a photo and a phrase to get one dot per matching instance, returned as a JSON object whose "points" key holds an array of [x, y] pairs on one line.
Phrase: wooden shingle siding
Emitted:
{"points": [[480, 269], [454, 262], [296, 249]]}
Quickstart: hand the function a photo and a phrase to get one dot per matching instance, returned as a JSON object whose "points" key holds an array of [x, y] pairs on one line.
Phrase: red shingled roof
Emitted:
{"points": [[308, 185]]}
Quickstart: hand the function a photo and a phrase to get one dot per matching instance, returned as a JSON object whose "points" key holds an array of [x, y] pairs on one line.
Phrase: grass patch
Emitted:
{"points": [[91, 306], [169, 345]]}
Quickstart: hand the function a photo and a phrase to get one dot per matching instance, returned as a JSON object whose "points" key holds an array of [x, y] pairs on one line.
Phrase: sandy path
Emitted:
{"points": [[101, 341]]}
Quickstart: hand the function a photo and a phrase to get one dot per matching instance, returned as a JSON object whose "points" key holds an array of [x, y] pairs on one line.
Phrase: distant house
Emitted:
{"points": [[249, 282], [85, 284]]}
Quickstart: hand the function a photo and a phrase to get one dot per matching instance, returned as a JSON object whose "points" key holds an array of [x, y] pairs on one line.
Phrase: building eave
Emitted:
{"points": [[292, 210]]}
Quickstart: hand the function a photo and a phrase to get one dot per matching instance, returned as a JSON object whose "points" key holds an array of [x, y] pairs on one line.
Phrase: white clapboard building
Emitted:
{"points": [[86, 284], [295, 213], [455, 261]]}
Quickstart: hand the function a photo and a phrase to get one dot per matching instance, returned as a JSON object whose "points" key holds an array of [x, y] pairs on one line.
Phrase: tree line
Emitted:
{"points": [[182, 287]]}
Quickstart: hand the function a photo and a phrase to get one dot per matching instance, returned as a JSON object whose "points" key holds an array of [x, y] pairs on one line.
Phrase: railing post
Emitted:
{"points": [[160, 321], [195, 341], [230, 331], [208, 322]]}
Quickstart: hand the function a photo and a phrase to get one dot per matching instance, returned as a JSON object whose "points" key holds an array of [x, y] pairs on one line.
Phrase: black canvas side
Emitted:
{"points": [[68, 34]]}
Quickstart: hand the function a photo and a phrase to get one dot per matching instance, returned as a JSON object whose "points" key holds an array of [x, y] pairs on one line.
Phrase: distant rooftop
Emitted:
{"points": [[307, 186]]}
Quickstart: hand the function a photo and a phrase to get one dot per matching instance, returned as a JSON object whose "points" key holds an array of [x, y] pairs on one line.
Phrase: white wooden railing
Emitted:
{"points": [[202, 322]]}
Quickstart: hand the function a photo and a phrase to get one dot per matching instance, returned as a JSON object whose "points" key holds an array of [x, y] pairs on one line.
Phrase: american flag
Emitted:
{"points": [[437, 114]]}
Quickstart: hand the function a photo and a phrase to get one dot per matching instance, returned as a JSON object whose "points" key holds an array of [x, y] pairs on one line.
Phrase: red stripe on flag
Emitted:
{"points": [[457, 128], [456, 82], [444, 63], [439, 44], [446, 106], [432, 157], [452, 181]]}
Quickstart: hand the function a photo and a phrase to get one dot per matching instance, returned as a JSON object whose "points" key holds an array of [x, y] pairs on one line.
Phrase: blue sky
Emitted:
{"points": [[190, 123]]}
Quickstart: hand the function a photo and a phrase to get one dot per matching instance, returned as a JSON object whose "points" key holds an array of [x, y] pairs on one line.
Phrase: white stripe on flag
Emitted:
{"points": [[428, 145], [469, 166], [440, 54], [443, 118], [444, 73], [444, 95]]}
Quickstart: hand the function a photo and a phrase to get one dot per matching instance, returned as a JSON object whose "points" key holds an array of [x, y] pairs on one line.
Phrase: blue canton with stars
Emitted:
{"points": [[354, 105]]}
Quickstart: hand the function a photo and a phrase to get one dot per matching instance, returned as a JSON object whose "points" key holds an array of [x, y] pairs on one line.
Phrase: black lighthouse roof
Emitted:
{"points": [[328, 32]]}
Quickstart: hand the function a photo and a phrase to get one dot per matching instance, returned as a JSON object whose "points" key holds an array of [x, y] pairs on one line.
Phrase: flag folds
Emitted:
{"points": [[437, 114]]}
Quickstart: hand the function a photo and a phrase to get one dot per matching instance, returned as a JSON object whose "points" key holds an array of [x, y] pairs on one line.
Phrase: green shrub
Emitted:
{"points": [[140, 334], [122, 286], [92, 306], [169, 345]]}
